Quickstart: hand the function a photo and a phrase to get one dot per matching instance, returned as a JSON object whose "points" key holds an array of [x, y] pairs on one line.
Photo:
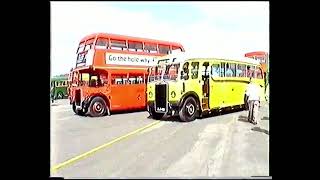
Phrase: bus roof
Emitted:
{"points": [[60, 77], [238, 60], [182, 57], [117, 36], [255, 53]]}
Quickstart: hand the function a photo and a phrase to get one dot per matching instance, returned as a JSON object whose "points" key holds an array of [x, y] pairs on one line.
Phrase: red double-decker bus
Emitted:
{"points": [[111, 71], [261, 56]]}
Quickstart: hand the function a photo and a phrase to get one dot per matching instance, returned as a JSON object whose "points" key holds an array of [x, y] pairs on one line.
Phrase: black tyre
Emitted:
{"points": [[188, 111], [59, 95], [78, 112], [98, 107]]}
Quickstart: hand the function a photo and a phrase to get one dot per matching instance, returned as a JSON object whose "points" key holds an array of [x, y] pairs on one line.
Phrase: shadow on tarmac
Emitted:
{"points": [[258, 129]]}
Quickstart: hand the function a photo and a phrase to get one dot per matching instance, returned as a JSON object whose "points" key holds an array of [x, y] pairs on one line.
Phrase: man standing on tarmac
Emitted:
{"points": [[253, 95]]}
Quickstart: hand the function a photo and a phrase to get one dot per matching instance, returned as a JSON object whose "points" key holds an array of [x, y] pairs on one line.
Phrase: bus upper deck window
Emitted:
{"points": [[151, 48], [164, 49], [118, 44], [81, 47], [102, 43], [135, 46], [88, 46]]}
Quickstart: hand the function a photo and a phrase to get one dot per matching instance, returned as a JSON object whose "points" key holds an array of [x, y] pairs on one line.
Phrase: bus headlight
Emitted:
{"points": [[173, 94], [150, 94]]}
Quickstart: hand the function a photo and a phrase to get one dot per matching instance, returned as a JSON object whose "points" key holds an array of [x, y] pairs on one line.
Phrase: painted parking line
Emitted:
{"points": [[86, 154]]}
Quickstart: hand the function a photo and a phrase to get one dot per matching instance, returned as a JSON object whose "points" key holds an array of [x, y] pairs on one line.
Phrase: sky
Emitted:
{"points": [[205, 29]]}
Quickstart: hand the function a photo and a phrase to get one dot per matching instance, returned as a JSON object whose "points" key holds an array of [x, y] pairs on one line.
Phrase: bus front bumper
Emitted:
{"points": [[173, 108]]}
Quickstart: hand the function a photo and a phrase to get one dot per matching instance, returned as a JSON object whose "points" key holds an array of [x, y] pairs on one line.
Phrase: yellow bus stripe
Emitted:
{"points": [[72, 160]]}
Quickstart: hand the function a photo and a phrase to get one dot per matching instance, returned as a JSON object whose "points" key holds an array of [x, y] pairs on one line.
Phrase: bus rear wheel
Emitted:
{"points": [[98, 107], [188, 111]]}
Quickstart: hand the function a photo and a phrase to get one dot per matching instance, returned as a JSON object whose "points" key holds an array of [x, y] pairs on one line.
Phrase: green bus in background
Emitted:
{"points": [[59, 84]]}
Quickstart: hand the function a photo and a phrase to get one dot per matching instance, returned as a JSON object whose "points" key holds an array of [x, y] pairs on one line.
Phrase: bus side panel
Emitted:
{"points": [[118, 97], [194, 85], [99, 58], [137, 96], [229, 91], [217, 92], [127, 97], [242, 90], [239, 87], [175, 87]]}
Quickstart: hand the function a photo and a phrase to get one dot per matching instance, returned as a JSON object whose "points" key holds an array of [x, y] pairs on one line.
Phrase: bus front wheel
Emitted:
{"points": [[98, 107], [188, 111]]}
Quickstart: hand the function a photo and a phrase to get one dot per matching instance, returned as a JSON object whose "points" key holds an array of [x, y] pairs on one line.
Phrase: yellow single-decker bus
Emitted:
{"points": [[190, 88]]}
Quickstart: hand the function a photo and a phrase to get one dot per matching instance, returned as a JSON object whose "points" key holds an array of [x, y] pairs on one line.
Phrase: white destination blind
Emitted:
{"points": [[128, 59]]}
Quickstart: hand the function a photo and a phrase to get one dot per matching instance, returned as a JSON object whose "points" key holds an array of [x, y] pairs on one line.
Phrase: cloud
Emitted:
{"points": [[224, 29]]}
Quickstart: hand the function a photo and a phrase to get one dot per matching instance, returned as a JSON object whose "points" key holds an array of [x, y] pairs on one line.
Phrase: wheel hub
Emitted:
{"points": [[190, 109], [97, 107]]}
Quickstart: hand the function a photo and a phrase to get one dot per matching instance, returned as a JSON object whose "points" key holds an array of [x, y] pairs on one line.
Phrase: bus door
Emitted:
{"points": [[241, 83], [217, 85], [205, 86], [194, 78]]}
